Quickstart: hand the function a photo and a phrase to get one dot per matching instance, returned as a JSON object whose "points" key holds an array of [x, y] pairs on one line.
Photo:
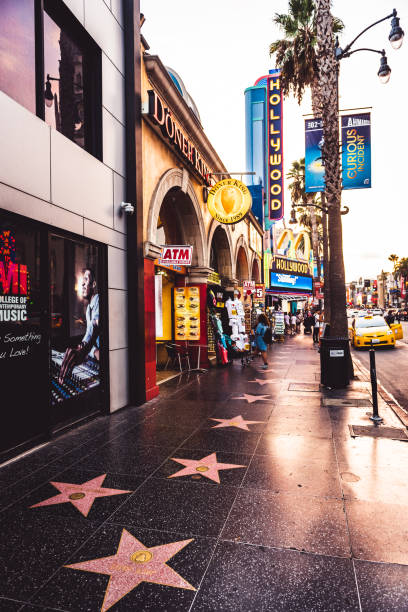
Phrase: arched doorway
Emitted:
{"points": [[242, 268], [177, 223], [256, 272], [220, 253]]}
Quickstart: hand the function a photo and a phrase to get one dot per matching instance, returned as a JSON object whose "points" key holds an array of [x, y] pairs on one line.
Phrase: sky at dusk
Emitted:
{"points": [[224, 47]]}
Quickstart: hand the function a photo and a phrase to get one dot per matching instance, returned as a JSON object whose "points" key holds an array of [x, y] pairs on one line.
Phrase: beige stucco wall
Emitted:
{"points": [[158, 159]]}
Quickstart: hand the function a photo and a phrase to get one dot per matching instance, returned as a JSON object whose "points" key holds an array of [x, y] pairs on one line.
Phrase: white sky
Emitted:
{"points": [[220, 47]]}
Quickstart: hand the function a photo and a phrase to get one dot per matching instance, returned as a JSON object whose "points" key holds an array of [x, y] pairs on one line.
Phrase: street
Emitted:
{"points": [[392, 366]]}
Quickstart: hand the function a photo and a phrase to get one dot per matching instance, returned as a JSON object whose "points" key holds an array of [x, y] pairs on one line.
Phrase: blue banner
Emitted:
{"points": [[275, 146], [291, 283], [356, 151], [314, 168]]}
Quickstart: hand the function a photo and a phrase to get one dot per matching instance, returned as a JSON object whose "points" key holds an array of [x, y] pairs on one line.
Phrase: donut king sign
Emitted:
{"points": [[229, 201]]}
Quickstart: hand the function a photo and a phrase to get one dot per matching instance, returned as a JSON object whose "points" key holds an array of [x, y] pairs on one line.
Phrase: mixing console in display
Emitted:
{"points": [[82, 378]]}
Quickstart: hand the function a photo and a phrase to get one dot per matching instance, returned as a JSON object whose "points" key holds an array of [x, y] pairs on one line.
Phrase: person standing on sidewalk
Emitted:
{"points": [[287, 323], [316, 327], [293, 324], [261, 327]]}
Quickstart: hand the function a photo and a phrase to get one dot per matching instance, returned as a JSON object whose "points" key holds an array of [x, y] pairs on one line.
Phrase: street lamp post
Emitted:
{"points": [[328, 66]]}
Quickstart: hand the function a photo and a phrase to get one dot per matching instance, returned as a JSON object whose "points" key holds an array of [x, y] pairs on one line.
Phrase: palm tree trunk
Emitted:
{"points": [[328, 72], [326, 264]]}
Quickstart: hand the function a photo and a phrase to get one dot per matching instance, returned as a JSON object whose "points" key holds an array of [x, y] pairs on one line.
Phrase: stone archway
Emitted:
{"points": [[219, 250], [175, 192], [256, 270], [242, 268]]}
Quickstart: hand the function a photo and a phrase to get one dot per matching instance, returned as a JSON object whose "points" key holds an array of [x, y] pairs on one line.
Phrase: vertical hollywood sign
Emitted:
{"points": [[275, 148]]}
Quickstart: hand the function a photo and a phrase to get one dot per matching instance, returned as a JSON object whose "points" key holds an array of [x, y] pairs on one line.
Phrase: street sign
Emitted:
{"points": [[248, 287]]}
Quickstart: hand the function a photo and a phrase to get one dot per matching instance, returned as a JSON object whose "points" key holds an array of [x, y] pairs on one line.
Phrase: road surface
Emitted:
{"points": [[392, 368]]}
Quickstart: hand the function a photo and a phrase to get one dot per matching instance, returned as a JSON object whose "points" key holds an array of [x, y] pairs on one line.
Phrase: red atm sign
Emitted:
{"points": [[176, 255]]}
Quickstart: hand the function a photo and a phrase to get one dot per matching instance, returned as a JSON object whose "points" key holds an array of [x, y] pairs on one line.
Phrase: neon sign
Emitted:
{"points": [[275, 147]]}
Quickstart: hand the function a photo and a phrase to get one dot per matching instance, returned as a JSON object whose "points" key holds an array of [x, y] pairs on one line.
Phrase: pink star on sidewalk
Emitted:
{"points": [[237, 421], [264, 381], [251, 398], [134, 563], [82, 496], [207, 466]]}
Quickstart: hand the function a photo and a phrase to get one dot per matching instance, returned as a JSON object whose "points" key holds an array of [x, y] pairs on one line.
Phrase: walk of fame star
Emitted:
{"points": [[264, 381], [237, 421], [251, 398], [134, 563], [82, 496], [207, 466]]}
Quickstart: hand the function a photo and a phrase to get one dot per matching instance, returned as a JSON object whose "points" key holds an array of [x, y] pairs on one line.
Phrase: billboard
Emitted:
{"points": [[291, 283], [275, 146], [314, 168], [356, 151]]}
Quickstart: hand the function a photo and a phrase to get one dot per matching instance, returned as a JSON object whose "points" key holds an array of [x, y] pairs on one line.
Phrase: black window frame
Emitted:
{"points": [[92, 69]]}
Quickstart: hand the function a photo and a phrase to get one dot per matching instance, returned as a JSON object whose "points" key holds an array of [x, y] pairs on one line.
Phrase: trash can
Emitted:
{"points": [[335, 362]]}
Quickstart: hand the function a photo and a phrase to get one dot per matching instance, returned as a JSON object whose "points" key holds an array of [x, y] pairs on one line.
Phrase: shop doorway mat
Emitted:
{"points": [[308, 387], [378, 431]]}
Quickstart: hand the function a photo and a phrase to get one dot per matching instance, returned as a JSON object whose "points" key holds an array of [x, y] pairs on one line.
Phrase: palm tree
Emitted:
{"points": [[401, 269], [299, 196], [328, 75], [296, 56], [394, 259]]}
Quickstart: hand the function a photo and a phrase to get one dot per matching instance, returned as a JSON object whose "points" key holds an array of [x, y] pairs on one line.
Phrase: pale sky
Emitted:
{"points": [[220, 47]]}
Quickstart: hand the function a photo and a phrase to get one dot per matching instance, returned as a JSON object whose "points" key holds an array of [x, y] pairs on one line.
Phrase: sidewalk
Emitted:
{"points": [[239, 491]]}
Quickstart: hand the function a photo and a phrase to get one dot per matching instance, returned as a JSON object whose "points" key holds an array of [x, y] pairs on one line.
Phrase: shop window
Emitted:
{"points": [[50, 65], [17, 51]]}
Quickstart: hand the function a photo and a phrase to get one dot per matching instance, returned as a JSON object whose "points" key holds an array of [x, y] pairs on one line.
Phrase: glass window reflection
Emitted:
{"points": [[17, 51], [64, 93]]}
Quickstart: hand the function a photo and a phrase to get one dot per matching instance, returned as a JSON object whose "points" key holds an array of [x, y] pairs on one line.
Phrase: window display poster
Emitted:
{"points": [[23, 343], [75, 320], [187, 313]]}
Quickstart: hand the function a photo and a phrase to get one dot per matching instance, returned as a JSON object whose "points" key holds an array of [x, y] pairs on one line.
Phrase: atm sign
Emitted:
{"points": [[176, 255]]}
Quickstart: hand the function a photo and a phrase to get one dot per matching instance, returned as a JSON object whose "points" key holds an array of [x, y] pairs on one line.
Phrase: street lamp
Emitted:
{"points": [[395, 37], [384, 72]]}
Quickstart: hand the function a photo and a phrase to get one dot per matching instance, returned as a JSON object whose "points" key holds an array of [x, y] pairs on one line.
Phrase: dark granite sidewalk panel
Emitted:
{"points": [[383, 587], [211, 440], [251, 578], [378, 531], [280, 475], [288, 521], [183, 507], [32, 548]]}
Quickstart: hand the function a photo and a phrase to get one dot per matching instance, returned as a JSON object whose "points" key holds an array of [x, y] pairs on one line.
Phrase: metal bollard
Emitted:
{"points": [[373, 376]]}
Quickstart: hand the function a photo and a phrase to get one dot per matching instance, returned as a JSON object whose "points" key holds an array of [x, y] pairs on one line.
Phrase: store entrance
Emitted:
{"points": [[52, 356]]}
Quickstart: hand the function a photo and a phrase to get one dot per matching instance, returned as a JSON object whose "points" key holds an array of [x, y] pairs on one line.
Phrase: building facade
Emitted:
{"points": [[63, 283], [179, 166]]}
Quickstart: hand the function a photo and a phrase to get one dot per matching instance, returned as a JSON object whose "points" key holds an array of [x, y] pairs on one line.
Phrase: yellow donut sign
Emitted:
{"points": [[229, 201]]}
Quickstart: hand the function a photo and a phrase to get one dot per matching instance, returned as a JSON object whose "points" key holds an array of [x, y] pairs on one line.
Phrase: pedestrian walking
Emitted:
{"points": [[299, 319], [261, 327], [287, 323], [308, 323], [293, 324], [316, 327]]}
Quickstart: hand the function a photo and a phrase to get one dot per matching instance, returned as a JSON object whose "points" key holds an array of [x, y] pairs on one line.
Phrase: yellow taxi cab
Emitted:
{"points": [[374, 330]]}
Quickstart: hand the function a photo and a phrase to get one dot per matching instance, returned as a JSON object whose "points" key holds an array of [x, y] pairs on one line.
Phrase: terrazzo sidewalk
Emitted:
{"points": [[236, 490]]}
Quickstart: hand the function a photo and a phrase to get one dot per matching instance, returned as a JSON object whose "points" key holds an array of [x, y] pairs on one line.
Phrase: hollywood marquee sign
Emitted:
{"points": [[161, 115], [275, 147], [291, 266]]}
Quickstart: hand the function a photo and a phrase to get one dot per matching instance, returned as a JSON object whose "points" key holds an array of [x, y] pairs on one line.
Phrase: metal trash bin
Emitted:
{"points": [[335, 362]]}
